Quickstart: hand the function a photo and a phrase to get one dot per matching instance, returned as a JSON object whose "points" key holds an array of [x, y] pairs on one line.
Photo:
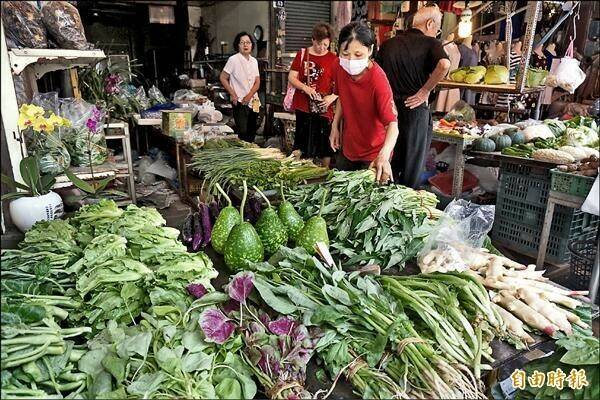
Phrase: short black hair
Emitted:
{"points": [[358, 31], [238, 38]]}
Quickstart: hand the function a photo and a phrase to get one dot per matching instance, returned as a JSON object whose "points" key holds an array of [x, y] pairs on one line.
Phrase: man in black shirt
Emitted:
{"points": [[414, 62]]}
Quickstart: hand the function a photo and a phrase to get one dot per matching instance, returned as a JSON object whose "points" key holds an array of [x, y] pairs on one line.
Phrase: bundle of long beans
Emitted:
{"points": [[417, 336], [264, 168]]}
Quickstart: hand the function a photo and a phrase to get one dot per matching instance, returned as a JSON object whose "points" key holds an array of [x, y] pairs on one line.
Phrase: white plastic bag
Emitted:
{"points": [[568, 75], [591, 204]]}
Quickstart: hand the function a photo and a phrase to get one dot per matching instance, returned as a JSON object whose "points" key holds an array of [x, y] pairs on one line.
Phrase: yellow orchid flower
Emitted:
{"points": [[55, 120], [24, 121], [31, 110], [41, 124]]}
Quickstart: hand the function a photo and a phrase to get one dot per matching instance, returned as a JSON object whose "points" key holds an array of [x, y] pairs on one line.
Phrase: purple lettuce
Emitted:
{"points": [[196, 290], [216, 326], [282, 326], [240, 287]]}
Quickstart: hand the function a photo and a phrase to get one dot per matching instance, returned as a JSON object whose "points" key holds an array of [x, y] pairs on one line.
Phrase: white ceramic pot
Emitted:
{"points": [[26, 211]]}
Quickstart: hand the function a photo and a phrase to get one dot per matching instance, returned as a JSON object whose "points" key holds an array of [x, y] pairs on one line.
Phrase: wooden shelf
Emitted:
{"points": [[481, 87], [46, 60]]}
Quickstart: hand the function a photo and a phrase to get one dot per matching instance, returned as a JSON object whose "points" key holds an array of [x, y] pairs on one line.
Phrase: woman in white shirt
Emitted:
{"points": [[241, 79]]}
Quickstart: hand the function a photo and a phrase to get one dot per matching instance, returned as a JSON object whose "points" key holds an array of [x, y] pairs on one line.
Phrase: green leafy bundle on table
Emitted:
{"points": [[418, 337], [369, 223], [264, 168]]}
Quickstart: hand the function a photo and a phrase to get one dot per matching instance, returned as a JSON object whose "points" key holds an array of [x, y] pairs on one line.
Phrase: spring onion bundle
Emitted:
{"points": [[264, 168]]}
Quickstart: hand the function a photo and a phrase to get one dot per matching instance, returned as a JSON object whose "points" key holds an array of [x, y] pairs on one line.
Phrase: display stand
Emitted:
{"points": [[31, 64], [459, 160]]}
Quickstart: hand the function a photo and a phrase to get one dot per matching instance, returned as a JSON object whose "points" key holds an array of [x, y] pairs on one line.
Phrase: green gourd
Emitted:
{"points": [[269, 227], [484, 144], [315, 230], [518, 138], [290, 218], [502, 142], [243, 244], [227, 219]]}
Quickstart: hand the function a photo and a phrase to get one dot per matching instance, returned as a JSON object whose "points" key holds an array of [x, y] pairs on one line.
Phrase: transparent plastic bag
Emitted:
{"points": [[23, 24], [461, 111], [63, 22], [463, 227], [184, 95], [142, 99], [80, 142], [53, 156], [156, 96], [48, 101]]}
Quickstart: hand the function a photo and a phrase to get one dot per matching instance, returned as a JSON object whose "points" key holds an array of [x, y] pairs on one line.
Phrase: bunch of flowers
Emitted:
{"points": [[277, 350], [112, 83], [34, 117], [40, 129]]}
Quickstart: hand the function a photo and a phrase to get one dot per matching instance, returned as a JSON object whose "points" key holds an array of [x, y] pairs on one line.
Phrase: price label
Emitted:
{"points": [[279, 4]]}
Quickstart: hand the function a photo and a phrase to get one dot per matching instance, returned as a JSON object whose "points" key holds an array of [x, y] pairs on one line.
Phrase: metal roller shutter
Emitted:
{"points": [[301, 16]]}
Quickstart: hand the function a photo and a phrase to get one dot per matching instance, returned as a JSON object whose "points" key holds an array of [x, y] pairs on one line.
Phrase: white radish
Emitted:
{"points": [[559, 298], [573, 318], [525, 313], [545, 308], [529, 273], [513, 324], [522, 283]]}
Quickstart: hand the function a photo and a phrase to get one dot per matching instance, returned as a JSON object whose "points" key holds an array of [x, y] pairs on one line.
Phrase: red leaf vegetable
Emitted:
{"points": [[216, 326], [282, 326], [240, 286], [196, 290]]}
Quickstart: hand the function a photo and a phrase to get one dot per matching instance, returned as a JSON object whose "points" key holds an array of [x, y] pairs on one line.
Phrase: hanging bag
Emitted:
{"points": [[568, 75], [289, 94]]}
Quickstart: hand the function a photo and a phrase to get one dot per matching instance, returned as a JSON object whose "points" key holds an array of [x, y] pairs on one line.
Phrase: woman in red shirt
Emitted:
{"points": [[366, 106], [311, 74]]}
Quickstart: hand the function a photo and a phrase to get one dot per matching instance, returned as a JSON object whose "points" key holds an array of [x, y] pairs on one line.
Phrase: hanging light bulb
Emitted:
{"points": [[465, 25]]}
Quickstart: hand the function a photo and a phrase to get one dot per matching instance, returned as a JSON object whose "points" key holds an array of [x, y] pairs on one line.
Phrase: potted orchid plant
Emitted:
{"points": [[33, 200]]}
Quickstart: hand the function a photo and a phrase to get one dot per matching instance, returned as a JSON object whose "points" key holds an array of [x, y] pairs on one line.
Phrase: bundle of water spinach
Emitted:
{"points": [[369, 223]]}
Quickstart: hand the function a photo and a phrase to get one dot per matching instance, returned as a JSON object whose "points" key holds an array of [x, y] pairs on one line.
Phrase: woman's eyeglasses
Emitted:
{"points": [[242, 43]]}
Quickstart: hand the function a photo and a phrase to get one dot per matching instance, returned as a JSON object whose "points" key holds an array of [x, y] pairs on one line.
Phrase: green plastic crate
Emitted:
{"points": [[573, 184]]}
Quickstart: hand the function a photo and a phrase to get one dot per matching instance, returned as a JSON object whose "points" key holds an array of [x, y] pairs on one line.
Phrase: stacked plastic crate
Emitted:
{"points": [[520, 210]]}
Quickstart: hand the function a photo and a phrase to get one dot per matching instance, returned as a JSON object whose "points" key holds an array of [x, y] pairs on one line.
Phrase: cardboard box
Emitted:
{"points": [[176, 122]]}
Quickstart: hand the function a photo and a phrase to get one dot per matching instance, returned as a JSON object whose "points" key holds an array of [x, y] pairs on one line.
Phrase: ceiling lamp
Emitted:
{"points": [[465, 25]]}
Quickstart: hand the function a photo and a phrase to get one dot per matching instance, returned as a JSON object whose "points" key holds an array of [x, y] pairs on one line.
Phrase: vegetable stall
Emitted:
{"points": [[344, 279]]}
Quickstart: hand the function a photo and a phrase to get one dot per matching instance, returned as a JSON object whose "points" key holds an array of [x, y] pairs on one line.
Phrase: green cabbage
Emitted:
{"points": [[581, 136], [496, 75], [458, 75], [475, 74], [536, 77]]}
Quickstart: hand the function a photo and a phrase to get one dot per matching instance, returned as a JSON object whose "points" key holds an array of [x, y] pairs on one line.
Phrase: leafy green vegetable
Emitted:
{"points": [[369, 223]]}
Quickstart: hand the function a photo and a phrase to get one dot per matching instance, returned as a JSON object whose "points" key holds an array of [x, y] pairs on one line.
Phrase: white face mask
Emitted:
{"points": [[354, 67]]}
